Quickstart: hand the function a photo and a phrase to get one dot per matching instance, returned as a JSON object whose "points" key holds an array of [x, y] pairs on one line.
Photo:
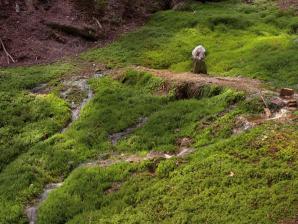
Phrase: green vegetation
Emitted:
{"points": [[118, 105], [53, 157], [25, 118], [26, 78], [167, 125], [255, 40], [245, 177]]}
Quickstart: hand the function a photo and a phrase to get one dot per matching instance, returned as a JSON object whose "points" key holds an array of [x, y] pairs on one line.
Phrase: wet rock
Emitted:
{"points": [[242, 125], [99, 74], [283, 114], [114, 138], [184, 142], [31, 211], [286, 93], [185, 151], [156, 155], [41, 89]]}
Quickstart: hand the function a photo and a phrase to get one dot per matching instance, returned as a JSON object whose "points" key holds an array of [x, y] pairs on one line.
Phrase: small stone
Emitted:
{"points": [[286, 93], [242, 124], [292, 103], [167, 156], [278, 102], [184, 142]]}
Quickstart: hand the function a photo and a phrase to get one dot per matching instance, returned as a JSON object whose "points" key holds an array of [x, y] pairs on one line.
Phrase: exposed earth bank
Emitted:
{"points": [[39, 31]]}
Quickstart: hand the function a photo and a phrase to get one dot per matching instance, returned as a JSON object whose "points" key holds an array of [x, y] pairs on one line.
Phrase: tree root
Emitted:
{"points": [[85, 32], [8, 56]]}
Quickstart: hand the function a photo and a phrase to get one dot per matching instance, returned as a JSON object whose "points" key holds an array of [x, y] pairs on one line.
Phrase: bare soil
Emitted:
{"points": [[30, 38], [239, 83], [288, 4]]}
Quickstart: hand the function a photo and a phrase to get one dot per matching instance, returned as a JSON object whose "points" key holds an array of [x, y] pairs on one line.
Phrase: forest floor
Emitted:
{"points": [[30, 40]]}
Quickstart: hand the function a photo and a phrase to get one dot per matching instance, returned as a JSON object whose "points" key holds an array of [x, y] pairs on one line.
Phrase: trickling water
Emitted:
{"points": [[31, 211], [83, 85], [184, 151], [117, 136], [283, 113]]}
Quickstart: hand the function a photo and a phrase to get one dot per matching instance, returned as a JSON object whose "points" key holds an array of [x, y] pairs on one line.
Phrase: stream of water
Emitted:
{"points": [[31, 211]]}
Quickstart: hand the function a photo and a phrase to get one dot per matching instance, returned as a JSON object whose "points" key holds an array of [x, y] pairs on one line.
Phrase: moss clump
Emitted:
{"points": [[230, 22]]}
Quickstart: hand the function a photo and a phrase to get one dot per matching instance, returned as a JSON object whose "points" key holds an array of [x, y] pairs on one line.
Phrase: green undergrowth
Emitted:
{"points": [[207, 116], [26, 118], [115, 100], [245, 178], [249, 177], [26, 78], [47, 158], [164, 127], [254, 40]]}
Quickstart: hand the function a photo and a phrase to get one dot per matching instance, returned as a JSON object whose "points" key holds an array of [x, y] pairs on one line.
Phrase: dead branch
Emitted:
{"points": [[266, 109], [98, 23], [263, 100], [85, 32], [6, 52]]}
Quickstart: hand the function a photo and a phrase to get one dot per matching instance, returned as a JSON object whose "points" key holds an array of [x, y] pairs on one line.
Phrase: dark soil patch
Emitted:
{"points": [[30, 39], [288, 4]]}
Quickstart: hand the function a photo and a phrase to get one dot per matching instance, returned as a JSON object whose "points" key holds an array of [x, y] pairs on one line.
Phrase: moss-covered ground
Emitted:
{"points": [[257, 41], [246, 177]]}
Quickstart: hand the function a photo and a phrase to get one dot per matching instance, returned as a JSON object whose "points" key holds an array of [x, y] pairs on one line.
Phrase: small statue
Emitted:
{"points": [[198, 56]]}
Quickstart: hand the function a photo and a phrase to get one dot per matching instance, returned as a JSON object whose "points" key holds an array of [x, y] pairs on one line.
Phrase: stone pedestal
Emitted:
{"points": [[199, 66]]}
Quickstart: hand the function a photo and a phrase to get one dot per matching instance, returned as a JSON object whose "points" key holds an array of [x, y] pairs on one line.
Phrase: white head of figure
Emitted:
{"points": [[199, 52]]}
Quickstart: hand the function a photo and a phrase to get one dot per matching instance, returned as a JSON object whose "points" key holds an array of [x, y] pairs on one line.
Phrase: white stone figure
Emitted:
{"points": [[198, 56], [199, 53]]}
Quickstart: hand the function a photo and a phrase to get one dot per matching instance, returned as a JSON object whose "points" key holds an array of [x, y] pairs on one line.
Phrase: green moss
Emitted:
{"points": [[246, 40], [50, 158], [142, 80], [28, 77], [249, 177], [240, 179], [165, 126]]}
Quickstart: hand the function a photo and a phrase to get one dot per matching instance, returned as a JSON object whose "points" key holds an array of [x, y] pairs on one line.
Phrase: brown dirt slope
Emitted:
{"points": [[239, 83], [31, 38]]}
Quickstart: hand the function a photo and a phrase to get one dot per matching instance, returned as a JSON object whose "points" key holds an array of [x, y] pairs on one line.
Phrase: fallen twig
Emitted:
{"points": [[98, 23], [263, 100], [266, 109], [6, 52]]}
